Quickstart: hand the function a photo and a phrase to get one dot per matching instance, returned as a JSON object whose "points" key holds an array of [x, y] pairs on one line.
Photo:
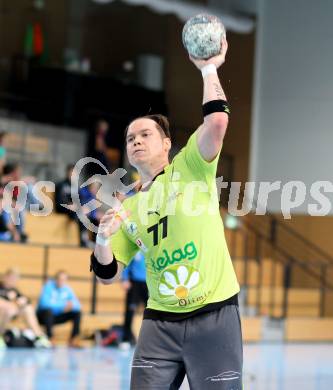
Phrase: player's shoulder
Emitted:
{"points": [[189, 148], [191, 142], [130, 200]]}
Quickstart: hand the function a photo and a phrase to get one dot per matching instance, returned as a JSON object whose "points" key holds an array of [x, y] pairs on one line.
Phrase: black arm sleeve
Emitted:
{"points": [[215, 106], [103, 271]]}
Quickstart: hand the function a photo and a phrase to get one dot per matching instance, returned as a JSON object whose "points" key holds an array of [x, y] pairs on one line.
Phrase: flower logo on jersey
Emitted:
{"points": [[178, 281]]}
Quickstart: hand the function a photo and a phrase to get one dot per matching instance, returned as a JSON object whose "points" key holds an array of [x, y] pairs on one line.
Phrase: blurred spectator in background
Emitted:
{"points": [[8, 231], [58, 304], [2, 152], [13, 304], [134, 283], [63, 193], [89, 205], [98, 148], [63, 196], [13, 173]]}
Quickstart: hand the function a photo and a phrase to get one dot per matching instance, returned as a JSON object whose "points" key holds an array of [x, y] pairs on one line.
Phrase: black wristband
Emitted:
{"points": [[103, 271], [215, 106]]}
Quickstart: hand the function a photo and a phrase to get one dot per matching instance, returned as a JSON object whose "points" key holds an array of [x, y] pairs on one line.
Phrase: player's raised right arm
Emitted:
{"points": [[106, 268], [212, 131]]}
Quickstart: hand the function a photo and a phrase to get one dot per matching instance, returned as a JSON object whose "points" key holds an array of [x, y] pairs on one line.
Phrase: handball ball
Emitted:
{"points": [[202, 35]]}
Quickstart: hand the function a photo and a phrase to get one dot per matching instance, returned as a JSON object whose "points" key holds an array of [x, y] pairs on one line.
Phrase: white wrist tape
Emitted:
{"points": [[208, 69], [101, 240]]}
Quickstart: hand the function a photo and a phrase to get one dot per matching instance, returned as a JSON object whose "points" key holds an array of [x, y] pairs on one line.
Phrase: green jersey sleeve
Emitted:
{"points": [[122, 247], [196, 162]]}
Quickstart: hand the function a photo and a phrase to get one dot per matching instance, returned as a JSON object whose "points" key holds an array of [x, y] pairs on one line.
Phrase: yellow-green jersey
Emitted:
{"points": [[176, 223]]}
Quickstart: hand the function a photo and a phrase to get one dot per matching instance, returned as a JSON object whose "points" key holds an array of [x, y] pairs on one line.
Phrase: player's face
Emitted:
{"points": [[145, 144]]}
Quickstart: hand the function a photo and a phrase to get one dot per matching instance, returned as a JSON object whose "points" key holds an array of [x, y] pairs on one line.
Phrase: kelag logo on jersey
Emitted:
{"points": [[189, 252]]}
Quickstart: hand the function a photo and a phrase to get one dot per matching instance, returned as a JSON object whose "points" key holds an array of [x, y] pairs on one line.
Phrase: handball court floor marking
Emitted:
{"points": [[266, 367]]}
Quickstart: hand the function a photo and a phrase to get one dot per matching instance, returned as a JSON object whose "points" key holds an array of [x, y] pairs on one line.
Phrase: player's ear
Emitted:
{"points": [[167, 144]]}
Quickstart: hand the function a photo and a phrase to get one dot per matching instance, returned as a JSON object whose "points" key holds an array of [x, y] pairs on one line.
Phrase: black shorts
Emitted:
{"points": [[207, 348]]}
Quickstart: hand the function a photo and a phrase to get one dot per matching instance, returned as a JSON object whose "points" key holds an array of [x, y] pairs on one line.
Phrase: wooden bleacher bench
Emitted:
{"points": [[29, 260], [252, 329], [303, 302], [270, 272], [302, 310], [52, 229], [309, 329]]}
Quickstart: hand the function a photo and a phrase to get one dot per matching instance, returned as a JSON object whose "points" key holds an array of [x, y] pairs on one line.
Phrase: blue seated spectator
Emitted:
{"points": [[58, 304]]}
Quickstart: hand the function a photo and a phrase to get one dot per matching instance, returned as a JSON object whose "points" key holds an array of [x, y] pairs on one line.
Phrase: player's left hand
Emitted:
{"points": [[217, 60]]}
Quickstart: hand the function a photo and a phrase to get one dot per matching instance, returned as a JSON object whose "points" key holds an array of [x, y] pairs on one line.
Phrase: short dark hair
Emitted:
{"points": [[10, 168], [162, 124], [60, 272]]}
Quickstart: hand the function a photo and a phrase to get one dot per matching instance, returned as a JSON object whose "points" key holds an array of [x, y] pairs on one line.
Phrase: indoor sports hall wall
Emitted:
{"points": [[292, 132]]}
